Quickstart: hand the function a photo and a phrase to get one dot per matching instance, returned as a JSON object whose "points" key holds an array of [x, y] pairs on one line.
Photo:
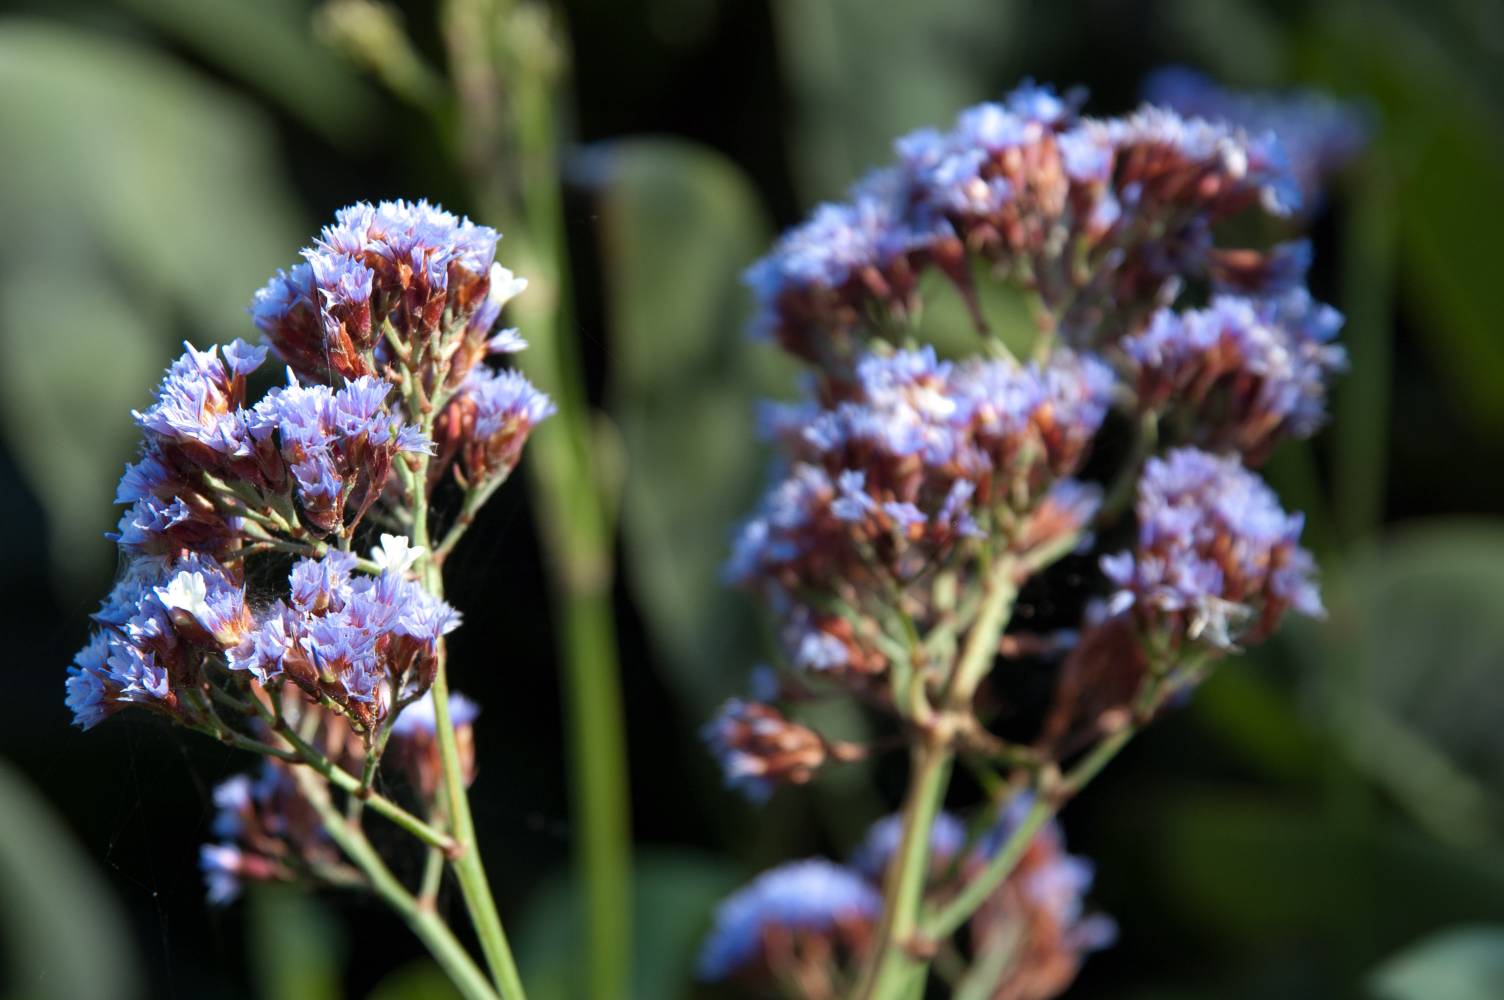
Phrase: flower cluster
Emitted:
{"points": [[414, 743], [1217, 560], [812, 920], [385, 280], [1320, 134], [918, 501], [758, 747], [383, 330], [1243, 373], [1073, 207], [265, 831], [360, 641]]}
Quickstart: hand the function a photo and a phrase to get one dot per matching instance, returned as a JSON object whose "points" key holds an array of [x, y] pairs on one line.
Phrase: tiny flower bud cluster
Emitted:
{"points": [[266, 832], [1217, 560], [812, 920], [1242, 374], [1032, 190], [353, 639], [1320, 134], [383, 329], [382, 280], [414, 743], [811, 912]]}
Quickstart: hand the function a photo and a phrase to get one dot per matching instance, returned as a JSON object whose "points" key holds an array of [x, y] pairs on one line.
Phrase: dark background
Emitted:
{"points": [[1323, 821]]}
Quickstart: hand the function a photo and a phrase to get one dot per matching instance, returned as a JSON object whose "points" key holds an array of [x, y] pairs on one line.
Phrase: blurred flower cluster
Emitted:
{"points": [[916, 495], [244, 609]]}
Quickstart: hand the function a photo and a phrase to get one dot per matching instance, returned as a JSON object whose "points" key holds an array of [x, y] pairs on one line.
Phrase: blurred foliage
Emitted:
{"points": [[1462, 964], [65, 936], [1325, 820], [295, 943], [673, 895], [678, 224], [125, 175]]}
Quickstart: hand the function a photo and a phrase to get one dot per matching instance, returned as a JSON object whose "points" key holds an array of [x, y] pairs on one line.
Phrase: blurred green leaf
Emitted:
{"points": [[269, 45], [1464, 963], [1440, 143], [673, 895], [678, 225], [422, 980], [1254, 869], [860, 78], [295, 945], [141, 201], [1419, 625], [64, 933]]}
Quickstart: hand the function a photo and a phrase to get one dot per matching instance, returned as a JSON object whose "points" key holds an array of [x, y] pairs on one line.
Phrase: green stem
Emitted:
{"points": [[980, 651], [949, 918], [432, 931], [896, 971], [573, 500], [975, 893]]}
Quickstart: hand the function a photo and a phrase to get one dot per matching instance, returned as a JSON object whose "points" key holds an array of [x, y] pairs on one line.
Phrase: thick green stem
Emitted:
{"points": [[432, 931], [896, 970], [573, 500]]}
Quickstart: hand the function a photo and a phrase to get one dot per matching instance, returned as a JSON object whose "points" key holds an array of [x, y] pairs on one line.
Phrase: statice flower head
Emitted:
{"points": [[352, 639], [488, 422], [1246, 373], [758, 748], [1038, 915], [1030, 188], [921, 455], [338, 445], [1217, 560], [1320, 134], [414, 742], [785, 911], [157, 628], [265, 831], [394, 271]]}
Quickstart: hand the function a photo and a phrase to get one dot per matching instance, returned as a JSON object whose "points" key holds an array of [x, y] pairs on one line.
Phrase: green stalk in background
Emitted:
{"points": [[507, 63], [505, 70]]}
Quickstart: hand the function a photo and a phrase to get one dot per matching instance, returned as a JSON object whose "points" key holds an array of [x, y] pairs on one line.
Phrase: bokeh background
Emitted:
{"points": [[1325, 820]]}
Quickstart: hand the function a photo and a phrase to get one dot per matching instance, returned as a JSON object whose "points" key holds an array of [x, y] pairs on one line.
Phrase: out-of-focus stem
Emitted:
{"points": [[573, 500], [896, 971], [432, 931]]}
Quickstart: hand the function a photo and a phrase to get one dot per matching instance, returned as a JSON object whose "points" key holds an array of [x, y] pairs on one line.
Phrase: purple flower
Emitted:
{"points": [[1217, 560], [419, 716], [758, 748], [1320, 134], [877, 849], [1252, 371], [811, 897]]}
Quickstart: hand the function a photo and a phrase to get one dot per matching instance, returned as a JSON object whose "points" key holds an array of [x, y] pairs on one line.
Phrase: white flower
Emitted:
{"points": [[505, 286], [395, 555]]}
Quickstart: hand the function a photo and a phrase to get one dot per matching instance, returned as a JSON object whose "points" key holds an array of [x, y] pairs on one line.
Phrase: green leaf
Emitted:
{"points": [[141, 201], [678, 225], [1418, 631], [64, 933], [295, 945], [673, 898], [1463, 963], [269, 45], [1249, 868], [861, 79]]}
